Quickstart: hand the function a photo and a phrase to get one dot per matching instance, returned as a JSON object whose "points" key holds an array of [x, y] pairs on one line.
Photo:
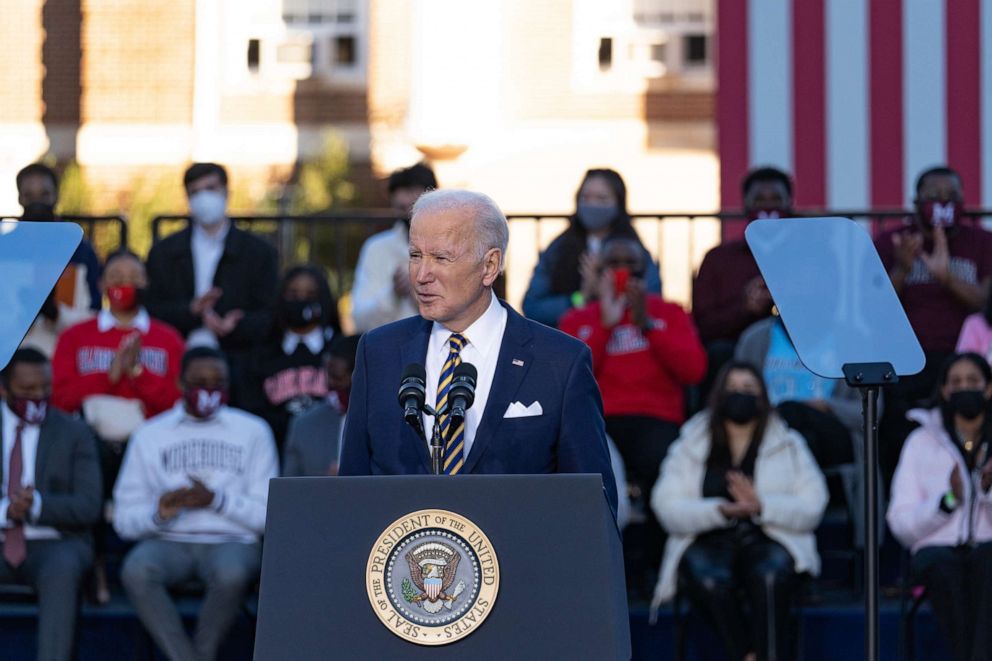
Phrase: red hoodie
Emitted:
{"points": [[642, 373], [84, 352]]}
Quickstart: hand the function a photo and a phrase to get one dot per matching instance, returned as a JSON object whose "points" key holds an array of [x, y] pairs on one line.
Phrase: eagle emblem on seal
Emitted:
{"points": [[433, 566]]}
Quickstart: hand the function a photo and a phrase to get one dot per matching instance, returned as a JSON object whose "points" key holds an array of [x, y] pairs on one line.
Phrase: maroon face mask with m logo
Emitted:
{"points": [[204, 403], [31, 410], [941, 214]]}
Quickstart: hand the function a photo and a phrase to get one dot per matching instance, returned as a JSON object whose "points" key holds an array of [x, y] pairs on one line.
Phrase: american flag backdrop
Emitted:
{"points": [[855, 97]]}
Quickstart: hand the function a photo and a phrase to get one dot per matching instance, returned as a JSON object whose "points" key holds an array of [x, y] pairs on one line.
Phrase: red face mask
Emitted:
{"points": [[940, 214], [204, 403], [123, 297], [31, 410]]}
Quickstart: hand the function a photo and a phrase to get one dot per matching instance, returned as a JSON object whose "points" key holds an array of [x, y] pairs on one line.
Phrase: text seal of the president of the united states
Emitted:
{"points": [[432, 577]]}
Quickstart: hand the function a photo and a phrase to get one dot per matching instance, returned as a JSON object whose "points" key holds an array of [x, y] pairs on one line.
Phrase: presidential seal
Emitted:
{"points": [[432, 577]]}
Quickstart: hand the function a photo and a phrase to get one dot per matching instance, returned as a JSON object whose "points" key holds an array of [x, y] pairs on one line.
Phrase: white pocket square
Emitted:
{"points": [[518, 410]]}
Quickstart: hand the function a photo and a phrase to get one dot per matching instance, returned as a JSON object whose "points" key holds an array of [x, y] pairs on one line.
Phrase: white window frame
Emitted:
{"points": [[633, 68], [323, 33]]}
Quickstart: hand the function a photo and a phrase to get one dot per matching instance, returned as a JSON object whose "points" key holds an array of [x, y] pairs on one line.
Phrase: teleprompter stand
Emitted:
{"points": [[845, 321], [869, 378]]}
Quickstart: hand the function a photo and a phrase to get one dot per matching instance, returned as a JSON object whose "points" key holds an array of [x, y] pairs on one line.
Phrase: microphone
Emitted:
{"points": [[413, 395], [462, 391]]}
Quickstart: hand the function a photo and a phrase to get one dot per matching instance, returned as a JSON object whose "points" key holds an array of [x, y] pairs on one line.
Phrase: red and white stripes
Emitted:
{"points": [[855, 97]]}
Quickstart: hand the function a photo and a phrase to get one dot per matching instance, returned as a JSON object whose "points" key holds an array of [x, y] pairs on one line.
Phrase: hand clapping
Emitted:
{"points": [[126, 360], [20, 505], [222, 326], [938, 262], [197, 496], [746, 503]]}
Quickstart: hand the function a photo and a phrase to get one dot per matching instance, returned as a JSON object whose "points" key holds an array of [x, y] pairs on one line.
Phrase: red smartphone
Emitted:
{"points": [[620, 278]]}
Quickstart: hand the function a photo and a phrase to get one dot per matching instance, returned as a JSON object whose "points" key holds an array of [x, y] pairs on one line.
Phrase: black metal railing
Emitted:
{"points": [[333, 240], [107, 233]]}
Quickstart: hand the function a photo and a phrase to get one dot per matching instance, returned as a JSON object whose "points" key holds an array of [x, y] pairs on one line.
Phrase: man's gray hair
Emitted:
{"points": [[491, 228]]}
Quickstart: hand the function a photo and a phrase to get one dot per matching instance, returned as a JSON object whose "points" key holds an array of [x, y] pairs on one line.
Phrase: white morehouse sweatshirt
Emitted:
{"points": [[232, 453]]}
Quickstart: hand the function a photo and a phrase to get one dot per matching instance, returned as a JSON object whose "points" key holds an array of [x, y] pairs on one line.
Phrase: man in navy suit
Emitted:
{"points": [[537, 407]]}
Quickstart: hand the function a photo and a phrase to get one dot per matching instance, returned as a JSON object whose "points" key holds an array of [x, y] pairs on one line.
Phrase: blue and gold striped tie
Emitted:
{"points": [[454, 449]]}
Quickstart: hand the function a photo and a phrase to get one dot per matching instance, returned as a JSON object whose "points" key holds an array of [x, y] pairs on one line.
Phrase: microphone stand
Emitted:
{"points": [[437, 441], [436, 444]]}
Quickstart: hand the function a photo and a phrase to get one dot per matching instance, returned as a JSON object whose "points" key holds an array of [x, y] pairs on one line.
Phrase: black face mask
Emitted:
{"points": [[969, 404], [738, 407], [38, 211], [300, 314]]}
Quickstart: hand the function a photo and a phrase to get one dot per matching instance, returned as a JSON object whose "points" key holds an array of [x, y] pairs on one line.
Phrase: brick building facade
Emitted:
{"points": [[125, 86], [516, 97]]}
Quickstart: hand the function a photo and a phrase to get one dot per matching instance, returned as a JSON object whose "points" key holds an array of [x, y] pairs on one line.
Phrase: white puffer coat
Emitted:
{"points": [[788, 482]]}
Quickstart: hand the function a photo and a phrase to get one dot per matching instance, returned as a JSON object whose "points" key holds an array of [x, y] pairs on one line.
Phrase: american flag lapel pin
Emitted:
{"points": [[518, 362]]}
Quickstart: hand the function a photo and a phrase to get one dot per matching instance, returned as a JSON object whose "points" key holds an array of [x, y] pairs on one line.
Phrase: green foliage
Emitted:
{"points": [[322, 184], [151, 195], [409, 593], [75, 197]]}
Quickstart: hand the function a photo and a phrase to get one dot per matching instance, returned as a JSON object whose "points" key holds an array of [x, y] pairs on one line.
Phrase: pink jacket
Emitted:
{"points": [[976, 335], [922, 478]]}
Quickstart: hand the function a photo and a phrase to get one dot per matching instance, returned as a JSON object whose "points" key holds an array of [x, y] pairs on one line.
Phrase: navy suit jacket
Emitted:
{"points": [[535, 363]]}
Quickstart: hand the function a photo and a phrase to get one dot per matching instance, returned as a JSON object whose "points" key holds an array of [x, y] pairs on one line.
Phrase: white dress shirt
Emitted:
{"points": [[105, 321], [207, 250], [29, 454], [314, 341], [373, 300], [483, 340]]}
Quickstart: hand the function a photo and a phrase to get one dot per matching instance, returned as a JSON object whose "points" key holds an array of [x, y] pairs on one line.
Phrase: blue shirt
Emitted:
{"points": [[787, 378]]}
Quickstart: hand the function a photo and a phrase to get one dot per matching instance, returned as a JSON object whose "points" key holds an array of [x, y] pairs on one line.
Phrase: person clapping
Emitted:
{"points": [[645, 351], [740, 496], [941, 507]]}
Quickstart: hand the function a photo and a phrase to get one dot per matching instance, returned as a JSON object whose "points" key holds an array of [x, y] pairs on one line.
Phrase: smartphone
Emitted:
{"points": [[620, 278]]}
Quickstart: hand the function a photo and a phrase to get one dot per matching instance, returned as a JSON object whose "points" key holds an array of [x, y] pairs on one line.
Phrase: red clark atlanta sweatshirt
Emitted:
{"points": [[641, 372], [82, 360]]}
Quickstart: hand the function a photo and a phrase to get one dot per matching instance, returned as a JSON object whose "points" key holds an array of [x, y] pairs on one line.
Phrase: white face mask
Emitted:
{"points": [[208, 207]]}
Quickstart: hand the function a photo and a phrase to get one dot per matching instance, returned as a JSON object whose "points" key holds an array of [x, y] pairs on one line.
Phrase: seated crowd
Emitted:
{"points": [[172, 390], [169, 401]]}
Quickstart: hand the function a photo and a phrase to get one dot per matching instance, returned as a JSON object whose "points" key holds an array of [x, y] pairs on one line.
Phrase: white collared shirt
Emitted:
{"points": [[344, 419], [105, 321], [207, 250], [373, 300], [314, 341], [484, 338], [29, 454]]}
